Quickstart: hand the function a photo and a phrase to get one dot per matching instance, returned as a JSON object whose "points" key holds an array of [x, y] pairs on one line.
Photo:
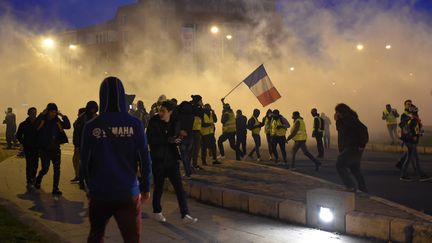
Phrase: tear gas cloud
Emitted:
{"points": [[319, 43]]}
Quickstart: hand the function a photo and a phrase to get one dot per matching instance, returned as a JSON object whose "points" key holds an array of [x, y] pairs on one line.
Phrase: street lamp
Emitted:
{"points": [[360, 47], [388, 47], [73, 47], [214, 29], [229, 37], [292, 68], [48, 43]]}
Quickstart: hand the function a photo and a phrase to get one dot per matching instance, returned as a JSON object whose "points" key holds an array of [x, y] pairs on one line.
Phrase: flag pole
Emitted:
{"points": [[232, 90]]}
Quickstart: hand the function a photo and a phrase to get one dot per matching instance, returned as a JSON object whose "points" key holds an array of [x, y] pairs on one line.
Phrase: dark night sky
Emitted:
{"points": [[80, 13]]}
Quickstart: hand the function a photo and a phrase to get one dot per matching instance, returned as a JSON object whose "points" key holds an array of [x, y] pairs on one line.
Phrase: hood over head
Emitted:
{"points": [[112, 96]]}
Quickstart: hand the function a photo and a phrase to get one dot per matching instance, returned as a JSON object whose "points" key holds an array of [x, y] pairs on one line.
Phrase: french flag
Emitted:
{"points": [[261, 86]]}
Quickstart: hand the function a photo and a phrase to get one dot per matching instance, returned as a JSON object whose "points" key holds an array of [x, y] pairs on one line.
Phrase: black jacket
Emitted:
{"points": [[51, 132], [78, 126], [241, 124], [27, 134], [161, 136], [352, 133]]}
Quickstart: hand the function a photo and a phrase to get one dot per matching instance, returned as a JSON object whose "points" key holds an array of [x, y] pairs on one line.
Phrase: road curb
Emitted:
{"points": [[396, 148]]}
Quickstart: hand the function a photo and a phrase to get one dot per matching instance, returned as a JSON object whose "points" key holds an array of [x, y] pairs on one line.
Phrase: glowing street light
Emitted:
{"points": [[73, 47], [214, 29], [48, 43], [388, 47], [229, 37], [360, 47], [292, 68]]}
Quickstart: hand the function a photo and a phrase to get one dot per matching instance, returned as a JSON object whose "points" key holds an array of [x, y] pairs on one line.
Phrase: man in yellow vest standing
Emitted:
{"points": [[228, 130], [298, 134], [198, 113], [318, 132], [390, 115], [279, 128], [255, 127], [267, 120], [207, 132]]}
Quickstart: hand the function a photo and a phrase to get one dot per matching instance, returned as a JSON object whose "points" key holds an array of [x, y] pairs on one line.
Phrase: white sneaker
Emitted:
{"points": [[258, 159], [159, 217], [221, 157], [187, 219]]}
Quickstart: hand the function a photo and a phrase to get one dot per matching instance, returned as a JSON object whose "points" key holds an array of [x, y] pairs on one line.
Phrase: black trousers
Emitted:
{"points": [[302, 145], [196, 146], [269, 144], [48, 156], [173, 174], [208, 142], [257, 141], [279, 140], [230, 136], [411, 157], [32, 161], [348, 165], [320, 145], [241, 143]]}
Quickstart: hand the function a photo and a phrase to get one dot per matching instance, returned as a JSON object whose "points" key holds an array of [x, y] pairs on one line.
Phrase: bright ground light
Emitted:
{"points": [[326, 215]]}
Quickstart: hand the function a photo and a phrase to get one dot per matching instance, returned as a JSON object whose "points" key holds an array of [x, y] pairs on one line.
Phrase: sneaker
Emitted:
{"points": [[30, 187], [187, 219], [159, 217], [37, 186], [424, 178], [75, 180], [217, 162], [221, 157], [56, 192], [258, 159], [317, 166], [406, 178], [185, 177]]}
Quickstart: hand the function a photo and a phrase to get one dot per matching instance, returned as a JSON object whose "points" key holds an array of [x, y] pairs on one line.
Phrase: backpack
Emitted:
{"points": [[251, 124], [285, 122]]}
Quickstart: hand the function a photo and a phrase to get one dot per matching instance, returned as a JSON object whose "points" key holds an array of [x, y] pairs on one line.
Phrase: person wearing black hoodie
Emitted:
{"points": [[27, 136], [90, 112], [163, 143], [50, 126], [352, 139], [241, 133]]}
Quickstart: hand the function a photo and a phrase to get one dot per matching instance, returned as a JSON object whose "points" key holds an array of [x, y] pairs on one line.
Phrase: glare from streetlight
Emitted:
{"points": [[229, 37], [73, 47], [48, 43], [388, 47], [292, 68], [214, 29], [360, 47]]}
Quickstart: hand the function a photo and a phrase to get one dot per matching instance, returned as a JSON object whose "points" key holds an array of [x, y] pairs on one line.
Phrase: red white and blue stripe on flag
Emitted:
{"points": [[261, 86]]}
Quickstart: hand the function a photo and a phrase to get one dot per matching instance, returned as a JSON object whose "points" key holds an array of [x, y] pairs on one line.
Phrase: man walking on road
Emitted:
{"points": [[298, 134], [318, 132], [113, 151], [352, 139], [390, 115], [10, 121], [327, 124]]}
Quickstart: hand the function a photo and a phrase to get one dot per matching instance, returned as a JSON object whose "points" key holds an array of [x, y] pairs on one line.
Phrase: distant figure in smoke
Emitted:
{"points": [[90, 112], [141, 113], [318, 132], [327, 123], [10, 121], [352, 139], [241, 133], [267, 121], [155, 108], [50, 125], [228, 130], [27, 136], [255, 127], [390, 115], [163, 143]]}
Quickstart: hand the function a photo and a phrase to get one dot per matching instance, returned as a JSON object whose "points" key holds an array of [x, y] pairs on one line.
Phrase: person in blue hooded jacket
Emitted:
{"points": [[113, 152]]}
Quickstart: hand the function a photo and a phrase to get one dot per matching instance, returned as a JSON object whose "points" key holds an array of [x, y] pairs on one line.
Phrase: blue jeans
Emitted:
{"points": [[411, 155]]}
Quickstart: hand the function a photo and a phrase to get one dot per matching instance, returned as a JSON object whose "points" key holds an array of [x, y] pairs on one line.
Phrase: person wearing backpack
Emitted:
{"points": [[410, 135], [255, 127], [352, 138], [318, 132], [298, 134]]}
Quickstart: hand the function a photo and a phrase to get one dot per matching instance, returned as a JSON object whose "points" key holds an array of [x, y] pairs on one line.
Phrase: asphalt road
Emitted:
{"points": [[382, 177]]}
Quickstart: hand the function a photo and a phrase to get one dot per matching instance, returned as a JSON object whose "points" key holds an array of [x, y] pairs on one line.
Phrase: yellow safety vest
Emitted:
{"points": [[210, 129], [197, 124], [390, 117], [267, 125], [277, 132], [257, 130], [230, 125], [301, 133]]}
